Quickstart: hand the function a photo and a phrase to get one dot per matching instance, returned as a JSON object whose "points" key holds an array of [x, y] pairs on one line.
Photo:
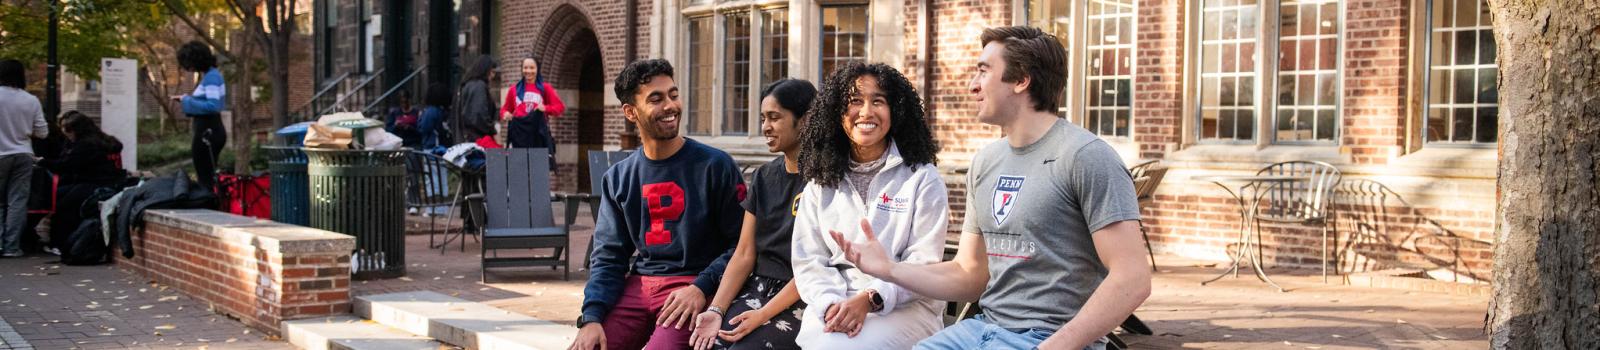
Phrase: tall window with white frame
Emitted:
{"points": [[1462, 87], [1302, 83], [1108, 55], [731, 46], [700, 70], [1228, 36], [1055, 17], [844, 36], [1308, 84], [774, 45], [736, 88]]}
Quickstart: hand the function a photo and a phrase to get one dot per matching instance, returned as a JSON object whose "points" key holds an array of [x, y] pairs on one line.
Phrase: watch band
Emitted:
{"points": [[717, 310], [876, 299], [584, 320]]}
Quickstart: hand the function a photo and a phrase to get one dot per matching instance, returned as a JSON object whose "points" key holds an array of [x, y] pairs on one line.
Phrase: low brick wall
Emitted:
{"points": [[257, 271]]}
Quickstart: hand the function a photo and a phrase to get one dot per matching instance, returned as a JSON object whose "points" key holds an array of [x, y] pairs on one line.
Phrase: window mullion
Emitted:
{"points": [[1266, 101], [718, 64], [758, 27], [1075, 104]]}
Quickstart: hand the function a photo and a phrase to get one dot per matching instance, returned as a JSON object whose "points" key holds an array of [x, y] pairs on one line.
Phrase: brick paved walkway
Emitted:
{"points": [[10, 340], [102, 307], [82, 307]]}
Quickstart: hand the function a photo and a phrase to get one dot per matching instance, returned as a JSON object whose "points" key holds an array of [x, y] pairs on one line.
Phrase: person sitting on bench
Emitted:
{"points": [[674, 204]]}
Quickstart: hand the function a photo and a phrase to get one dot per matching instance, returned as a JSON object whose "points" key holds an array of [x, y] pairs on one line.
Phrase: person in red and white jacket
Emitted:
{"points": [[529, 105]]}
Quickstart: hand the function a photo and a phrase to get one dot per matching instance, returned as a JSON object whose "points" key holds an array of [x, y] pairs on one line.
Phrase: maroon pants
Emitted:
{"points": [[631, 325]]}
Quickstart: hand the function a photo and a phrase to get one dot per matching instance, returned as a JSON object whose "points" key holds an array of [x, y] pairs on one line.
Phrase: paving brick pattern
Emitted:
{"points": [[81, 308], [103, 307], [10, 340]]}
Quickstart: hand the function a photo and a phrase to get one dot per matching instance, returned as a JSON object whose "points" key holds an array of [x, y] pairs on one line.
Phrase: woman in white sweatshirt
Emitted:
{"points": [[869, 157]]}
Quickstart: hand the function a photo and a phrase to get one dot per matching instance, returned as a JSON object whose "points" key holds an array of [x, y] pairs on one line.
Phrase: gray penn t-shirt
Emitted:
{"points": [[1037, 207]]}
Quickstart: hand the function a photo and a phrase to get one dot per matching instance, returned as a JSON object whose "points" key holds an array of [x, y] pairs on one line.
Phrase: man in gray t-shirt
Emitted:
{"points": [[1050, 246], [1037, 207]]}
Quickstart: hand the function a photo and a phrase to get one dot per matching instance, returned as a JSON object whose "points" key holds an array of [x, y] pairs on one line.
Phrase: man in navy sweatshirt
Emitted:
{"points": [[673, 209]]}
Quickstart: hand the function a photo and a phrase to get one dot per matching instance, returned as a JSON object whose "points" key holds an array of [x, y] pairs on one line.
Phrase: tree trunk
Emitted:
{"points": [[243, 111], [280, 83], [1547, 249]]}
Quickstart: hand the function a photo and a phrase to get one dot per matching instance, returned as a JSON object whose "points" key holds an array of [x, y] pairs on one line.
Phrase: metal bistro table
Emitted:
{"points": [[1249, 229]]}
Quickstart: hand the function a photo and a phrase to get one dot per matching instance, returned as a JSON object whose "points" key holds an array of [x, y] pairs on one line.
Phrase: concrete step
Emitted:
{"points": [[351, 333], [463, 323]]}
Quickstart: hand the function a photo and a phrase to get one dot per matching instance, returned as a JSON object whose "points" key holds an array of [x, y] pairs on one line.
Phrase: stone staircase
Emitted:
{"points": [[426, 320]]}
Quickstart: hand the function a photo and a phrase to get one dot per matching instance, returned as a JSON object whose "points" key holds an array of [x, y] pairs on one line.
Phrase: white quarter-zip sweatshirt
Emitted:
{"points": [[908, 210]]}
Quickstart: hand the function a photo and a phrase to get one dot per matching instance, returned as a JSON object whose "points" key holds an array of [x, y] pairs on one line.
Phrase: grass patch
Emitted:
{"points": [[163, 151]]}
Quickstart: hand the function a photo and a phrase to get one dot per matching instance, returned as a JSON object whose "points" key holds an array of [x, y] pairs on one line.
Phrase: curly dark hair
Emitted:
{"points": [[824, 146], [195, 56], [438, 95], [639, 73]]}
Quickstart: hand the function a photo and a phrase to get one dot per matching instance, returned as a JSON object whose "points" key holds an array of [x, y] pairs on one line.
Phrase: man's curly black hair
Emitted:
{"points": [[824, 146], [196, 56], [639, 73]]}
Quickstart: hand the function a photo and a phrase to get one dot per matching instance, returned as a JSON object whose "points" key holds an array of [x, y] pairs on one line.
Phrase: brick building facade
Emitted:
{"points": [[1400, 95]]}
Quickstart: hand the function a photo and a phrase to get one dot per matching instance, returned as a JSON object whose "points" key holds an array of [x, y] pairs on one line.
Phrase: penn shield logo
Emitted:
{"points": [[1005, 197]]}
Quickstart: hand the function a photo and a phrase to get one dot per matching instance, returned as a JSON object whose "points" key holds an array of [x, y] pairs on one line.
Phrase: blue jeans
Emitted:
{"points": [[16, 178], [979, 333]]}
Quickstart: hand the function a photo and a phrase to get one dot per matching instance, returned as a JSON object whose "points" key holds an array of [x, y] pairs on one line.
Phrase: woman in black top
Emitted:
{"points": [[90, 160], [765, 312]]}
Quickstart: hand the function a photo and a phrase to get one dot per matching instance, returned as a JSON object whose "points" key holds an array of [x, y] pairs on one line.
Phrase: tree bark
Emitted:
{"points": [[1547, 249], [243, 108]]}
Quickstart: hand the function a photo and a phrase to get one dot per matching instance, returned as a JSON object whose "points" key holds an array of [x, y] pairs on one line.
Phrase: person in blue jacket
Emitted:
{"points": [[204, 106], [434, 112], [672, 209]]}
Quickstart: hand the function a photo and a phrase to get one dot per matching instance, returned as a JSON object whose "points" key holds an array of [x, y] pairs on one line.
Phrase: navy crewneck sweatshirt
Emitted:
{"points": [[680, 215]]}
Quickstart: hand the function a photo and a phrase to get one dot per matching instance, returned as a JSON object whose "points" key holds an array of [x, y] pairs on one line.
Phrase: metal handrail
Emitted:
{"points": [[325, 90], [392, 89], [359, 87]]}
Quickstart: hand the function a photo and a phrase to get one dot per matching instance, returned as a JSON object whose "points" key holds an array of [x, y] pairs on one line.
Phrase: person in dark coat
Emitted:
{"points": [[90, 160], [475, 113]]}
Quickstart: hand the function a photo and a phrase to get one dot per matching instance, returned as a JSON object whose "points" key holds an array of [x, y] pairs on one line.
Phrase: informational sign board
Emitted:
{"points": [[119, 106]]}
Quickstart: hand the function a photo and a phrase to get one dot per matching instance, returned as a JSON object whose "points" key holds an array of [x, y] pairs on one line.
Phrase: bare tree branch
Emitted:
{"points": [[172, 8]]}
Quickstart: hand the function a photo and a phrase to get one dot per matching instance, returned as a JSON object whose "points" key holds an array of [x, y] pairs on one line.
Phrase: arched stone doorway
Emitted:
{"points": [[570, 50]]}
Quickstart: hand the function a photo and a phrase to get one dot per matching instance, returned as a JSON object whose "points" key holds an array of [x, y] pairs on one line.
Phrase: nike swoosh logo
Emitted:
{"points": [[1048, 161]]}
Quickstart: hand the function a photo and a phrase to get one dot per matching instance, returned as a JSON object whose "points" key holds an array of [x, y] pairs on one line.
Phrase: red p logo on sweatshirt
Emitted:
{"points": [[665, 200]]}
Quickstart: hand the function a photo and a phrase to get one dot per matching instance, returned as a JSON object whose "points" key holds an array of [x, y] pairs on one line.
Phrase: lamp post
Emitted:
{"points": [[52, 87]]}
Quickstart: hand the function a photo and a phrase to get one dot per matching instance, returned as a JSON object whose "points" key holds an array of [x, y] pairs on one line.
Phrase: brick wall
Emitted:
{"points": [[245, 268], [1375, 73], [1158, 81], [561, 32]]}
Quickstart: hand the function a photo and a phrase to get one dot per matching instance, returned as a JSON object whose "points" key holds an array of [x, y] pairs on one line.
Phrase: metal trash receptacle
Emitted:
{"points": [[290, 194], [362, 193]]}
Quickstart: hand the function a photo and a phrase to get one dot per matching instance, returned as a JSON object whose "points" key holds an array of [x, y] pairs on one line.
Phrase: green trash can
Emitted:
{"points": [[362, 193], [290, 197]]}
